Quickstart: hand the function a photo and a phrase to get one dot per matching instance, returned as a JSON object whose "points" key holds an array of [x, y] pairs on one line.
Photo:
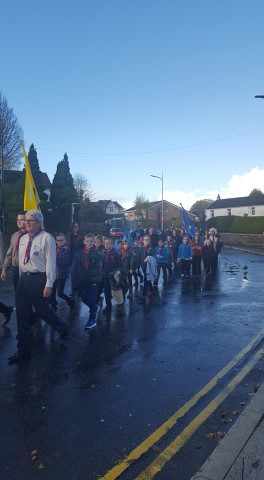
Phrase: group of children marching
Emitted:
{"points": [[97, 265]]}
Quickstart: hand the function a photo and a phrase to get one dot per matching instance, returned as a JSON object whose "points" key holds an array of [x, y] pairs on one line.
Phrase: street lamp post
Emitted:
{"points": [[162, 209]]}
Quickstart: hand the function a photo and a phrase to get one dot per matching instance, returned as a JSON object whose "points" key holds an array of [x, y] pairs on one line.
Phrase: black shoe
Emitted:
{"points": [[17, 357], [7, 315], [64, 337]]}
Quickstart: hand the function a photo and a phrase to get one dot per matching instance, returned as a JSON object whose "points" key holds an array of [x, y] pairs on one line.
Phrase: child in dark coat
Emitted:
{"points": [[63, 262], [111, 262], [128, 264], [197, 248], [208, 256], [146, 251], [88, 265], [136, 251]]}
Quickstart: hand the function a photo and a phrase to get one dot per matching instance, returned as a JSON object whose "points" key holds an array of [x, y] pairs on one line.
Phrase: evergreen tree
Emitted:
{"points": [[36, 173], [62, 188], [256, 193]]}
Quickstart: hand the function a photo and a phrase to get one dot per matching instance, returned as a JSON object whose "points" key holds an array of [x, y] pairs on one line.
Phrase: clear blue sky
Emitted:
{"points": [[104, 79]]}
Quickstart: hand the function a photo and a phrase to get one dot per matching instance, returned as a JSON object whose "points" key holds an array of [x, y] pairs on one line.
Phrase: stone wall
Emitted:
{"points": [[243, 240]]}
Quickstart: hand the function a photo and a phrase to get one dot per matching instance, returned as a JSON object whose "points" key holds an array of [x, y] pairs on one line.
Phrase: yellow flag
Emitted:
{"points": [[31, 198]]}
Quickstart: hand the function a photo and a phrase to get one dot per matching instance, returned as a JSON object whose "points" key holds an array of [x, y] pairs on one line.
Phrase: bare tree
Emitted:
{"points": [[141, 204], [83, 187], [11, 135]]}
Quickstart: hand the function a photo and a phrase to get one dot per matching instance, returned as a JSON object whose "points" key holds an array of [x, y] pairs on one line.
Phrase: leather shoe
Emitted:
{"points": [[17, 357]]}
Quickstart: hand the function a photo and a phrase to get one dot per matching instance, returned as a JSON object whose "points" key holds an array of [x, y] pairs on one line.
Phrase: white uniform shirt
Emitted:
{"points": [[42, 256]]}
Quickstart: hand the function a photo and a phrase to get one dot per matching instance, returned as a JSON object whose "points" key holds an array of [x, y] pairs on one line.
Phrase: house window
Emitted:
{"points": [[111, 209], [212, 213], [229, 211], [253, 211]]}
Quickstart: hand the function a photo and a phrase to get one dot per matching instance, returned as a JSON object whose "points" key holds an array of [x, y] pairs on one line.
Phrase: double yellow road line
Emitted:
{"points": [[181, 439]]}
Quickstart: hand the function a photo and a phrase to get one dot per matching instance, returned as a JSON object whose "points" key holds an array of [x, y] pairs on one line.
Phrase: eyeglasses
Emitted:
{"points": [[30, 221]]}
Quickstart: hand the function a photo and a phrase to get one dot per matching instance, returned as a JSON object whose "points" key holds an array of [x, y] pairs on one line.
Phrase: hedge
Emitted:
{"points": [[234, 224]]}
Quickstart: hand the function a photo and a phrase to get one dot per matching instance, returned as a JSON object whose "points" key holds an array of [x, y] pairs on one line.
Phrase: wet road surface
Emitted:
{"points": [[83, 407]]}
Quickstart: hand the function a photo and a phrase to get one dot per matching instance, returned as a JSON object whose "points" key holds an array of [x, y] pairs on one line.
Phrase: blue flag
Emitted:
{"points": [[127, 235], [189, 228]]}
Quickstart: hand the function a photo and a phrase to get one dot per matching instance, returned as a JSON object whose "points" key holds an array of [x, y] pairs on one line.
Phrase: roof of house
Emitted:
{"points": [[12, 175], [105, 203], [158, 204], [236, 202], [15, 175]]}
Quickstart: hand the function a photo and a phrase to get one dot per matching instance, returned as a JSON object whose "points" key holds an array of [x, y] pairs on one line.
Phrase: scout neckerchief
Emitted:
{"points": [[60, 250], [106, 256], [27, 252], [86, 258], [147, 250]]}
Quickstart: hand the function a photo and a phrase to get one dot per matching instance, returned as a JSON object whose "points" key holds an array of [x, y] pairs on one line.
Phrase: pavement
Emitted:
{"points": [[255, 251], [240, 455]]}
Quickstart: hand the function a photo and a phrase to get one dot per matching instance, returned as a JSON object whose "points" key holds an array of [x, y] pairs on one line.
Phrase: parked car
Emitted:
{"points": [[116, 233]]}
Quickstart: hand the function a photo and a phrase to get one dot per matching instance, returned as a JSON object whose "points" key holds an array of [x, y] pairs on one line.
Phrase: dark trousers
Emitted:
{"points": [[107, 292], [59, 285], [129, 279], [147, 285], [196, 265], [138, 275], [162, 266], [89, 297], [185, 266], [29, 293], [15, 274], [74, 280], [3, 308], [100, 290], [215, 261]]}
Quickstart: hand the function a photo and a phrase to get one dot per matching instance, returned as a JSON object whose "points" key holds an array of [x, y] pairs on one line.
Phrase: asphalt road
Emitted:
{"points": [[109, 397]]}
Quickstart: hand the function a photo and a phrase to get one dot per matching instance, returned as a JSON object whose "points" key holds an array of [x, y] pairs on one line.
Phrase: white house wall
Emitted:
{"points": [[113, 210], [238, 211]]}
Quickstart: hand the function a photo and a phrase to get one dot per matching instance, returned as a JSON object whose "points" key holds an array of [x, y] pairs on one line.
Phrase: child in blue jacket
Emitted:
{"points": [[185, 257], [162, 256]]}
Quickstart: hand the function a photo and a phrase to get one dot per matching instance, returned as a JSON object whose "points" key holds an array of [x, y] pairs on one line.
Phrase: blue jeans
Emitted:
{"points": [[89, 297]]}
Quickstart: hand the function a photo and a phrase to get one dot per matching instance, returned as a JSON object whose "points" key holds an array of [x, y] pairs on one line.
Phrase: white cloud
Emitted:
{"points": [[185, 198], [127, 204], [237, 186], [242, 185]]}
